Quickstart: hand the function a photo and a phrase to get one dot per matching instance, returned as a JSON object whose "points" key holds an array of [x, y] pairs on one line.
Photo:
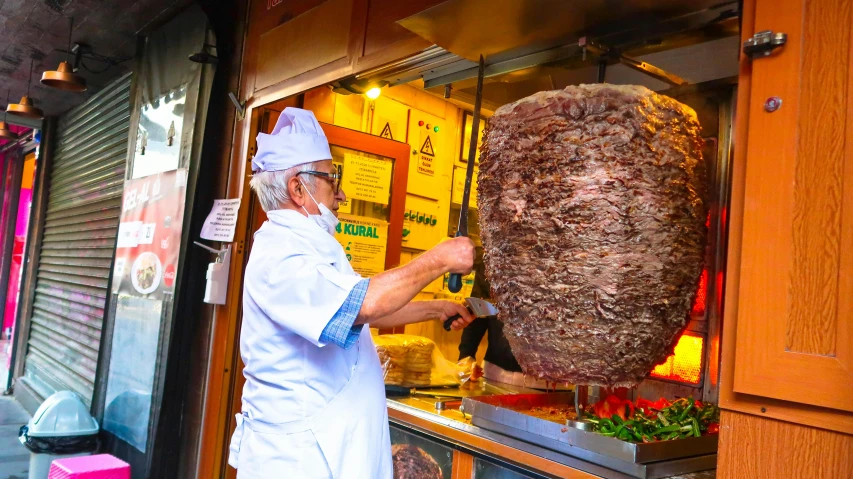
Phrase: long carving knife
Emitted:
{"points": [[454, 283]]}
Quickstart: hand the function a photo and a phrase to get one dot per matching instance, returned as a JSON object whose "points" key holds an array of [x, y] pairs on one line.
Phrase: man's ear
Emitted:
{"points": [[296, 191]]}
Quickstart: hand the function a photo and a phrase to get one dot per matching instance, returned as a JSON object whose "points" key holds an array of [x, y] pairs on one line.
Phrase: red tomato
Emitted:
{"points": [[714, 428]]}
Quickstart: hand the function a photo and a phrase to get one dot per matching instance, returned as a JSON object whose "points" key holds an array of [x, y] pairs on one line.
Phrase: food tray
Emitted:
{"points": [[503, 414]]}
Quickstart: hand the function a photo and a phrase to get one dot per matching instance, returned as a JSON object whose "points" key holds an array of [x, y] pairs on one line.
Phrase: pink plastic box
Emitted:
{"points": [[102, 466]]}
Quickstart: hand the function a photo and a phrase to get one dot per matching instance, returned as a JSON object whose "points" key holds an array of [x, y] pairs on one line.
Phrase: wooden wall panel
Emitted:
{"points": [[311, 40], [756, 403], [820, 180], [761, 448], [382, 30], [795, 298]]}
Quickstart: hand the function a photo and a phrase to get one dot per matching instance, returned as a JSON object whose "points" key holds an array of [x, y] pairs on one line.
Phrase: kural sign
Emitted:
{"points": [[365, 241]]}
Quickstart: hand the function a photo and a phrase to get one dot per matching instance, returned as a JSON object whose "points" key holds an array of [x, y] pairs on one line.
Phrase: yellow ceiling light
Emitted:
{"points": [[373, 93], [64, 77], [5, 132], [26, 108]]}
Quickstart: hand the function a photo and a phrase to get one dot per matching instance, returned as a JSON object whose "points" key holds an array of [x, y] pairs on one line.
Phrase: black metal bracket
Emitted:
{"points": [[763, 43]]}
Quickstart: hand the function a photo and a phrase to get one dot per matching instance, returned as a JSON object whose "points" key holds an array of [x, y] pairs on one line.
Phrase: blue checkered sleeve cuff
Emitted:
{"points": [[341, 330]]}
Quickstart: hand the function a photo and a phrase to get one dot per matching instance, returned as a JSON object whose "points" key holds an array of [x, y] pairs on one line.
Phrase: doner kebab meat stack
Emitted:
{"points": [[593, 224]]}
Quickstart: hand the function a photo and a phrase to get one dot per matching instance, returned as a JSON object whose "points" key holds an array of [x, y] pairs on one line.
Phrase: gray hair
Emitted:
{"points": [[271, 186]]}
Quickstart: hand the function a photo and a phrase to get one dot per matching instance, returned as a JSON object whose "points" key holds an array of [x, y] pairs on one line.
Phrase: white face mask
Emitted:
{"points": [[326, 219]]}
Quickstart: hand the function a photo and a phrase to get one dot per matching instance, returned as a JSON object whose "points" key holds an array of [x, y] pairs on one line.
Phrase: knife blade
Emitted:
{"points": [[480, 308], [454, 282]]}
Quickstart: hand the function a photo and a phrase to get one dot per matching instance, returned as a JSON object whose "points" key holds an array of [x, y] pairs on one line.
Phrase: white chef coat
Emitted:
{"points": [[313, 409]]}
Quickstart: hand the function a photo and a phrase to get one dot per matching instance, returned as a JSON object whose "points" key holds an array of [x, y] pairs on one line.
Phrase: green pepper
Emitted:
{"points": [[670, 428], [684, 413]]}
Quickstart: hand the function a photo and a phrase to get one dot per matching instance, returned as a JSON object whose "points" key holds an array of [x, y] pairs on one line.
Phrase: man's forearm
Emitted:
{"points": [[391, 290], [414, 312]]}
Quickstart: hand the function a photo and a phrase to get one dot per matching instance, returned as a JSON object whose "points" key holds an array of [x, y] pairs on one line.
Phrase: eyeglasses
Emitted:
{"points": [[335, 177]]}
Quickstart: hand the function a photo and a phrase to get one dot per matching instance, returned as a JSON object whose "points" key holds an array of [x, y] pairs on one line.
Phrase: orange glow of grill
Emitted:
{"points": [[701, 295], [685, 366]]}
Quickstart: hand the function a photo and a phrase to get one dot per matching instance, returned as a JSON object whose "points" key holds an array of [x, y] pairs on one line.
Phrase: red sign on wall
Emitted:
{"points": [[149, 235]]}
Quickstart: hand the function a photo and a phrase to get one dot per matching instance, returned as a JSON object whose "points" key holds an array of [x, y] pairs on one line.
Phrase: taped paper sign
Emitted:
{"points": [[222, 221], [367, 179], [364, 241]]}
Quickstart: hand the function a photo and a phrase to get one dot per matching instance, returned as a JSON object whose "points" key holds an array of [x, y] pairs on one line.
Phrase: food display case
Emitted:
{"points": [[415, 454], [504, 432]]}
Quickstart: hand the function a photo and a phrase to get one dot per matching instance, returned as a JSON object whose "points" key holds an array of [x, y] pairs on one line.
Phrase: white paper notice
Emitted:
{"points": [[222, 221]]}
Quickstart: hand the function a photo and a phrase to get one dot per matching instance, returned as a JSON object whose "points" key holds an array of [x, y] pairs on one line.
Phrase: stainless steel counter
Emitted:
{"points": [[450, 425]]}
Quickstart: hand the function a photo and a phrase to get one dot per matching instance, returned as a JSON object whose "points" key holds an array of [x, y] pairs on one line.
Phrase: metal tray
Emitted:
{"points": [[501, 414]]}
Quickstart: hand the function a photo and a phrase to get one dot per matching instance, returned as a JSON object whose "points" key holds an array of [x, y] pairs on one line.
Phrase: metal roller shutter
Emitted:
{"points": [[78, 243]]}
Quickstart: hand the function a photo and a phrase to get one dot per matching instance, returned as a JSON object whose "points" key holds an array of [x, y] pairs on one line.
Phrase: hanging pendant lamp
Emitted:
{"points": [[64, 77], [5, 132], [26, 108]]}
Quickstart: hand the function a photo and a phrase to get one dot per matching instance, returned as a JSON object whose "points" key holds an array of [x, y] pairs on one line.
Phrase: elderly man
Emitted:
{"points": [[314, 401]]}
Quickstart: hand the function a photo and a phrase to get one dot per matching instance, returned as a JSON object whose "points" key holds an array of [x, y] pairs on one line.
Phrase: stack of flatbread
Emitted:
{"points": [[406, 359], [418, 366], [392, 357]]}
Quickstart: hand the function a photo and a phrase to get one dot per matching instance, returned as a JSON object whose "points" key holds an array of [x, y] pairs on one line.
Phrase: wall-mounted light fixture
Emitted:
{"points": [[204, 56]]}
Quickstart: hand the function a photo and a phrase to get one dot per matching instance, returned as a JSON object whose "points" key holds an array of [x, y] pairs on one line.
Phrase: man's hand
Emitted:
{"points": [[448, 309], [389, 292], [457, 254]]}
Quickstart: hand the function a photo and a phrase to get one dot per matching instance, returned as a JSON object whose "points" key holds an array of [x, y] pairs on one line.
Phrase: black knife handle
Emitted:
{"points": [[450, 320], [454, 283]]}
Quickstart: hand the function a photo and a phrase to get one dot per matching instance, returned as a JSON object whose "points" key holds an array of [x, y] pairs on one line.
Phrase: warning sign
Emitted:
{"points": [[427, 149], [386, 131], [426, 157]]}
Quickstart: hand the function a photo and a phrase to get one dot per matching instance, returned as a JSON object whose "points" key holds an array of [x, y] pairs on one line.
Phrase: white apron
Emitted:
{"points": [[348, 438]]}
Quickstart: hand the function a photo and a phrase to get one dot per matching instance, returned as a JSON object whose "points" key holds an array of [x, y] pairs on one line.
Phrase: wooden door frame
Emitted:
{"points": [[399, 152]]}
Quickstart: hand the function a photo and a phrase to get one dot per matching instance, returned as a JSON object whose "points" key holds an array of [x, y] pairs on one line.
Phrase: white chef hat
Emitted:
{"points": [[296, 139]]}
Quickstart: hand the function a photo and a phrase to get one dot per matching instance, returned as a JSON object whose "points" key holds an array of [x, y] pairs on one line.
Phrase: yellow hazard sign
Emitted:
{"points": [[426, 148]]}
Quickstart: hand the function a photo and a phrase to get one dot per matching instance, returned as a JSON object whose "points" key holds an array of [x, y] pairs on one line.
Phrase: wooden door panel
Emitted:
{"points": [[795, 325]]}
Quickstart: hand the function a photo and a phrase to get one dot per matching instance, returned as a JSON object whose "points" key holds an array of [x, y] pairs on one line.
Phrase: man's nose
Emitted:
{"points": [[341, 196]]}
